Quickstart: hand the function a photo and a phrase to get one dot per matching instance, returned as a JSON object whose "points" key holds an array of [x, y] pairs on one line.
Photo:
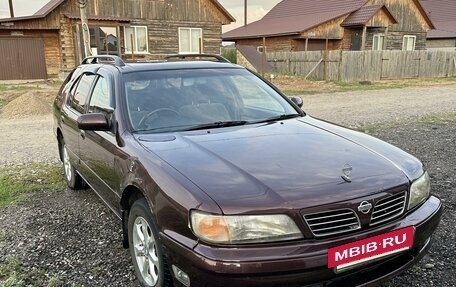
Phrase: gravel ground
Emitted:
{"points": [[73, 236]]}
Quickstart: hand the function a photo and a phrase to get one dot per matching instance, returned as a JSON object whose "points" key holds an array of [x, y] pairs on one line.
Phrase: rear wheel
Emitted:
{"points": [[145, 247], [72, 178]]}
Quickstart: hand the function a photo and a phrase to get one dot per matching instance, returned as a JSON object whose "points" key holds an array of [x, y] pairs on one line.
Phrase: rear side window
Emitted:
{"points": [[81, 92]]}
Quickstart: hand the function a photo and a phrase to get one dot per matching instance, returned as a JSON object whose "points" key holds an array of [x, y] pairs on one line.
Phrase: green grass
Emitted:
{"points": [[17, 182], [356, 86], [97, 270], [3, 103], [31, 86], [12, 274], [432, 120], [4, 87]]}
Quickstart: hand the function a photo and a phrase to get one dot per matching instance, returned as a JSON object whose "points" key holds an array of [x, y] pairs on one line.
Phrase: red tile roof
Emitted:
{"points": [[363, 15], [443, 14]]}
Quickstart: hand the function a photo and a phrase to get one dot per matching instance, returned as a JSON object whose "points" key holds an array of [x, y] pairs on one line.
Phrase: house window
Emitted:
{"points": [[103, 40], [408, 44], [378, 42], [136, 40], [190, 40]]}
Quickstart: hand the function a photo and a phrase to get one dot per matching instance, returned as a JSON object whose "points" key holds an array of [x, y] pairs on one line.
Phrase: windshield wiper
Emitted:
{"points": [[278, 118], [222, 124]]}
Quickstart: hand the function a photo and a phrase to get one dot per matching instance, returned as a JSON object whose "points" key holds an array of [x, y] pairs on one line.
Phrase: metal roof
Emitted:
{"points": [[363, 15], [291, 17], [294, 16], [53, 4], [442, 13], [43, 12]]}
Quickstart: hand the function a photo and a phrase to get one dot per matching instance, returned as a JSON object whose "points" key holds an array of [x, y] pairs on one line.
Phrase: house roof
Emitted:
{"points": [[224, 11], [53, 4], [43, 12], [364, 14], [291, 17], [442, 13]]}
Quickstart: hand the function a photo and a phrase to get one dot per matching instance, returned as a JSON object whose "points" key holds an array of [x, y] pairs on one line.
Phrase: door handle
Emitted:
{"points": [[83, 134], [62, 117]]}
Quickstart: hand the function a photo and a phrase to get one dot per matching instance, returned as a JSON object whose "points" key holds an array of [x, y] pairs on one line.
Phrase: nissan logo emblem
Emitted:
{"points": [[365, 207]]}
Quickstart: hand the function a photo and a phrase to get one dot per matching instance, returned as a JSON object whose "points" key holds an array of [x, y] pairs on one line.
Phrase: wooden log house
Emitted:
{"points": [[309, 25], [49, 43]]}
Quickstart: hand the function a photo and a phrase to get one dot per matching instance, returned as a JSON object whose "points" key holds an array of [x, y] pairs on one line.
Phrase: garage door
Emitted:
{"points": [[22, 59]]}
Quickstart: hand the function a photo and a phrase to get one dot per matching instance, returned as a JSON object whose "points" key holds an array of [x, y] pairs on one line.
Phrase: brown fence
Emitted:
{"points": [[352, 66]]}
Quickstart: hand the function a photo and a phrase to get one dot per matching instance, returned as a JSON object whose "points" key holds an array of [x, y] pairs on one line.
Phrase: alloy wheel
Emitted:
{"points": [[145, 249]]}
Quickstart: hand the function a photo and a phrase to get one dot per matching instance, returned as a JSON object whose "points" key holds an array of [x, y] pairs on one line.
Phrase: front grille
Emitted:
{"points": [[332, 222], [388, 208]]}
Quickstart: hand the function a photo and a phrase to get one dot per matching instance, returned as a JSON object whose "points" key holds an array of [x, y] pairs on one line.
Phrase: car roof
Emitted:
{"points": [[172, 62], [179, 65]]}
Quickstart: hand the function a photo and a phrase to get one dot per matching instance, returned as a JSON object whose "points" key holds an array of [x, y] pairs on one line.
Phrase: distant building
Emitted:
{"points": [[443, 15]]}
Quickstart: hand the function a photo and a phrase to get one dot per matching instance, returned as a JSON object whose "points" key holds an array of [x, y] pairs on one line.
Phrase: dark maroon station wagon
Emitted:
{"points": [[221, 180]]}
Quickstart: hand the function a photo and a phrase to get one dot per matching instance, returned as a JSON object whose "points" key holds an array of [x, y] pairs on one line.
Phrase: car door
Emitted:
{"points": [[71, 110], [98, 150]]}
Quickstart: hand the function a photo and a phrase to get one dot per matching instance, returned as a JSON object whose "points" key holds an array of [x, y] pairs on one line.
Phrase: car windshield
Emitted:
{"points": [[182, 100]]}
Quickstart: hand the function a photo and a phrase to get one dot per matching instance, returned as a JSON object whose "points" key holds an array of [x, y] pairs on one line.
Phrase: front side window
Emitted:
{"points": [[190, 40], [166, 101], [136, 40], [408, 43], [100, 102], [80, 92], [378, 42]]}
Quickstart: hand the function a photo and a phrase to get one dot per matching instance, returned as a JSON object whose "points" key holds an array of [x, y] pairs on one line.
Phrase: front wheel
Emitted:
{"points": [[145, 248], [72, 177]]}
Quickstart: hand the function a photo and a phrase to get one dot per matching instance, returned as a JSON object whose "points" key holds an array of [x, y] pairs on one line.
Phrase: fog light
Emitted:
{"points": [[181, 276]]}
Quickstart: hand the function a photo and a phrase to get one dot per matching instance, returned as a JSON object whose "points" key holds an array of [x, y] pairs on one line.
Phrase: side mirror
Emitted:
{"points": [[93, 122], [298, 101]]}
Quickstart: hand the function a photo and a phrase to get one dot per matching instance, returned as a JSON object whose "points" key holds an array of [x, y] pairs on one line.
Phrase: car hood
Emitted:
{"points": [[290, 164]]}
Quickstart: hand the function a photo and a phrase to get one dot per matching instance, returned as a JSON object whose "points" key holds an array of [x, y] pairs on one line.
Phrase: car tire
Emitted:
{"points": [[145, 248], [72, 177]]}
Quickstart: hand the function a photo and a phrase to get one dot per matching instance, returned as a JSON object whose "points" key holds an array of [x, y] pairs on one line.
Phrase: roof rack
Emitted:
{"points": [[104, 59], [218, 58]]}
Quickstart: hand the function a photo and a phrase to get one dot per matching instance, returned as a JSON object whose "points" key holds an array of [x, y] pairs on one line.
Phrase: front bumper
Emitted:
{"points": [[301, 263]]}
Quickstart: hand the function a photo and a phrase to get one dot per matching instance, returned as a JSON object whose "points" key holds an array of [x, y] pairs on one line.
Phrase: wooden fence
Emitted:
{"points": [[353, 66]]}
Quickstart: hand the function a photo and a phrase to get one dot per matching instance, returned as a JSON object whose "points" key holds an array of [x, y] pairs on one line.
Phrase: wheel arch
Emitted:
{"points": [[129, 195]]}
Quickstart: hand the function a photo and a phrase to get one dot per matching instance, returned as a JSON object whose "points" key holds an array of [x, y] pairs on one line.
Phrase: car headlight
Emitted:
{"points": [[419, 191], [244, 228]]}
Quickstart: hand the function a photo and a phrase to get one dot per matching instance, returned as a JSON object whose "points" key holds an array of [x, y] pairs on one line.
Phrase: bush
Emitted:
{"points": [[230, 54]]}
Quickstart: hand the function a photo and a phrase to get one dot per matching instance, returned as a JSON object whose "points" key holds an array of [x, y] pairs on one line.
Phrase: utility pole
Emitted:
{"points": [[85, 27], [11, 8], [245, 12]]}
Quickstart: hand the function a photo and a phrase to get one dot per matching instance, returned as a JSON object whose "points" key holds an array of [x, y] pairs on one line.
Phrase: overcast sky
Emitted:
{"points": [[21, 7], [256, 9]]}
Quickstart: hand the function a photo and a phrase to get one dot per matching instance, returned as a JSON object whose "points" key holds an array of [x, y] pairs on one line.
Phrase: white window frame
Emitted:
{"points": [[181, 51], [379, 36], [405, 43], [128, 41]]}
